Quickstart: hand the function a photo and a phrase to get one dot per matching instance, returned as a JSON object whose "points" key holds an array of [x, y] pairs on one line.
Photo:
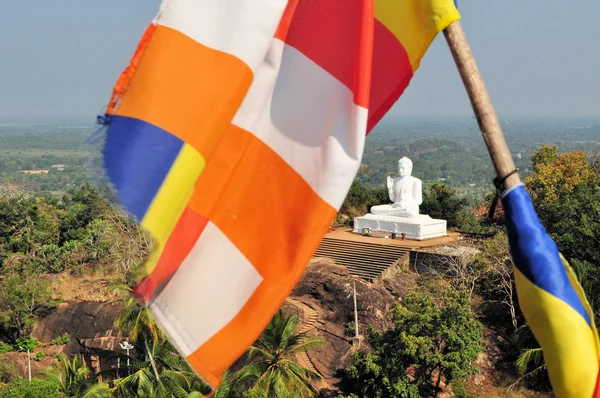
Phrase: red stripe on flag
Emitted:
{"points": [[597, 392], [341, 35], [180, 243], [392, 72]]}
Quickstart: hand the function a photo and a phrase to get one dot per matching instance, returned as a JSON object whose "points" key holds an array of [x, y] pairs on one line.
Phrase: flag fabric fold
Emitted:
{"points": [[552, 301], [237, 135]]}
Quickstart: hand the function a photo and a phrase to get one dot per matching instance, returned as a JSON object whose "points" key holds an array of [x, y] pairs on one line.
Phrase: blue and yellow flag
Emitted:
{"points": [[552, 301]]}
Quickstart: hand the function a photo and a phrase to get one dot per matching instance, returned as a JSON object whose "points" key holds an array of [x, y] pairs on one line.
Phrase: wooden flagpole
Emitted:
{"points": [[482, 105]]}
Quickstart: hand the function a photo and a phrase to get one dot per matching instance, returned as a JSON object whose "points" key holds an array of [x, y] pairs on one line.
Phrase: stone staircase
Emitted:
{"points": [[363, 259], [307, 321]]}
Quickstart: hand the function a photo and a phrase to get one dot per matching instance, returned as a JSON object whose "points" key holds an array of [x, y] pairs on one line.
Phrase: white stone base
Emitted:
{"points": [[418, 228]]}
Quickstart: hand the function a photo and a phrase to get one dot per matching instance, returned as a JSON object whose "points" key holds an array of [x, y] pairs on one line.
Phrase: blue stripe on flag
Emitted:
{"points": [[137, 158], [534, 253]]}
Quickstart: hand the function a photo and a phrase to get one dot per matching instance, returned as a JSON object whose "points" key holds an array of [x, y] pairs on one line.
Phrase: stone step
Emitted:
{"points": [[362, 252], [363, 244], [363, 259], [349, 261], [383, 249]]}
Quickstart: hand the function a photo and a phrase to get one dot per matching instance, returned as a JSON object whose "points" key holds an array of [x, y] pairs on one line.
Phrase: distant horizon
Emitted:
{"points": [[392, 117]]}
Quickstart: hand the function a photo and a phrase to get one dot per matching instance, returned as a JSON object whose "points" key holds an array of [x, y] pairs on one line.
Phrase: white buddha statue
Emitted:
{"points": [[405, 191]]}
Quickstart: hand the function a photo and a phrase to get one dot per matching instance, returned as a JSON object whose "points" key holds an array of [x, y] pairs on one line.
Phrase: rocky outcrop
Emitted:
{"points": [[326, 288], [83, 319], [89, 324]]}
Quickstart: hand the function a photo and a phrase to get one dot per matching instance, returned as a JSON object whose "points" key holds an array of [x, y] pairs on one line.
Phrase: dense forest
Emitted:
{"points": [[57, 224]]}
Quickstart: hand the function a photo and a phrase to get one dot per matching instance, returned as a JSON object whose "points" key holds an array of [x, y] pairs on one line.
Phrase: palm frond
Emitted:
{"points": [[307, 345], [99, 390], [531, 356]]}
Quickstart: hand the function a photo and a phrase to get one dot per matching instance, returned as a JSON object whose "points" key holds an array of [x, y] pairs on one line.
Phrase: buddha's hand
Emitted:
{"points": [[390, 182], [400, 206]]}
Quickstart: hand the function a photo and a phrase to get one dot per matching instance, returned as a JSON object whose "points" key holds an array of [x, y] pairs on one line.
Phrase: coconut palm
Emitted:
{"points": [[75, 379], [175, 379], [135, 319], [277, 375], [234, 384]]}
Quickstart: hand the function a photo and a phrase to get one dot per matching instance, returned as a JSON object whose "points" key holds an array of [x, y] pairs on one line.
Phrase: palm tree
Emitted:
{"points": [[530, 362], [277, 375], [175, 379], [135, 319], [234, 384], [74, 380]]}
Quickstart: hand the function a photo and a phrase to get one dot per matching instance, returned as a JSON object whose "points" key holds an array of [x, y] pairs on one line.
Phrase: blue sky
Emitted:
{"points": [[539, 58]]}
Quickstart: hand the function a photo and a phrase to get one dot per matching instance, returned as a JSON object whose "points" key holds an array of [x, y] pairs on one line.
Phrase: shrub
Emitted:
{"points": [[61, 340]]}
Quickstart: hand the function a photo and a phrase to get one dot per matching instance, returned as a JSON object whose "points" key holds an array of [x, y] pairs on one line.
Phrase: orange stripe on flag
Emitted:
{"points": [[187, 89], [258, 201]]}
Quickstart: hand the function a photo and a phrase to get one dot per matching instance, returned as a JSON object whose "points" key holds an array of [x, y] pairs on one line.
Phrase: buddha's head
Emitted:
{"points": [[404, 167]]}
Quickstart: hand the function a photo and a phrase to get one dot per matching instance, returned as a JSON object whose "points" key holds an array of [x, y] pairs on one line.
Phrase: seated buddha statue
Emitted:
{"points": [[404, 191]]}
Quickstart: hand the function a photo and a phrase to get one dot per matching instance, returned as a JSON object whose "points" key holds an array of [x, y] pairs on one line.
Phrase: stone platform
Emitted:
{"points": [[420, 227]]}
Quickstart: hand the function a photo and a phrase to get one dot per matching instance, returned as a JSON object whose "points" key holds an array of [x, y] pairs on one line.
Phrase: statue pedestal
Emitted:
{"points": [[418, 227]]}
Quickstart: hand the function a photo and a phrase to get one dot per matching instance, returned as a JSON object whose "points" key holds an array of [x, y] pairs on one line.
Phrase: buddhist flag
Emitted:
{"points": [[235, 135], [552, 301]]}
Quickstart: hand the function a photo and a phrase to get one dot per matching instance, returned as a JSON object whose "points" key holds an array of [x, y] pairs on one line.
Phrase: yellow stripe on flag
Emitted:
{"points": [[415, 23], [170, 201]]}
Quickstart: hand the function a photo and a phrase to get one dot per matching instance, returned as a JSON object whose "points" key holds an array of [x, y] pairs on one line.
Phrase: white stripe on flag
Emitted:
{"points": [[307, 117], [243, 28], [208, 290]]}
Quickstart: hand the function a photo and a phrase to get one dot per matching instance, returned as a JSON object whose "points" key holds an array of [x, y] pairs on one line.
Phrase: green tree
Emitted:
{"points": [[235, 384], [75, 379], [82, 206], [22, 299], [175, 379], [277, 374], [27, 344], [135, 319], [361, 198], [440, 201], [431, 342]]}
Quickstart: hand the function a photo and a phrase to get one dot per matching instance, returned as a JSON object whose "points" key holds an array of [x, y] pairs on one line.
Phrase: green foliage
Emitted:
{"points": [[39, 356], [370, 375], [61, 340], [440, 201], [135, 319], [36, 389], [22, 298], [26, 343], [40, 235], [4, 348], [75, 380], [83, 206], [361, 198], [277, 375], [530, 362], [175, 377], [236, 384], [429, 341], [458, 388]]}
